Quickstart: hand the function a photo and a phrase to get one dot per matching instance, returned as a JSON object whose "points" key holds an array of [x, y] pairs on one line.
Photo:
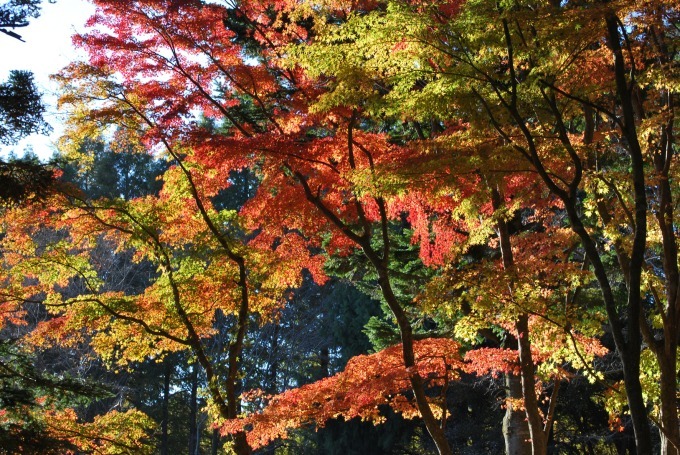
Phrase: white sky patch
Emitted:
{"points": [[47, 49]]}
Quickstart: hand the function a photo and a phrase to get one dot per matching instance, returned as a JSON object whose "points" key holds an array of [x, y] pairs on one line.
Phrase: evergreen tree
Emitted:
{"points": [[101, 169]]}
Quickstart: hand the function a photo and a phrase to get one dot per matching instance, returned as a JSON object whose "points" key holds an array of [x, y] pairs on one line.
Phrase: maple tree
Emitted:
{"points": [[128, 327], [342, 54], [556, 94], [544, 314], [363, 123], [515, 74], [156, 106]]}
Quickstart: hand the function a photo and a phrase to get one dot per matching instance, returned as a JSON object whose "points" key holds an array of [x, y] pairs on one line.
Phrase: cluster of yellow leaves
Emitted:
{"points": [[114, 433]]}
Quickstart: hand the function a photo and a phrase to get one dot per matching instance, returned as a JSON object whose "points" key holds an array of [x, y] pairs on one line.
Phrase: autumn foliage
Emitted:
{"points": [[366, 383], [499, 177]]}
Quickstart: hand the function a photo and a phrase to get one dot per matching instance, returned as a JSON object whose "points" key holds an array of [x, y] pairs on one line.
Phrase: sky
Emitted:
{"points": [[47, 49]]}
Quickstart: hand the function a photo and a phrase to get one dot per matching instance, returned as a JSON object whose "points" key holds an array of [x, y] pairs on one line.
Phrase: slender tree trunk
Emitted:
{"points": [[273, 370], [670, 431], [630, 354], [324, 361], [666, 350], [193, 411], [515, 428], [233, 385], [215, 442], [433, 427], [539, 441], [164, 410]]}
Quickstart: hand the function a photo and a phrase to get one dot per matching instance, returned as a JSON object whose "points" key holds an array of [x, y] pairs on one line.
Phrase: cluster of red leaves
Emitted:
{"points": [[435, 230], [492, 360], [367, 382]]}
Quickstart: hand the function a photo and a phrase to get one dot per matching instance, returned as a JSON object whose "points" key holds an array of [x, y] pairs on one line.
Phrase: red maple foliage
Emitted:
{"points": [[367, 382]]}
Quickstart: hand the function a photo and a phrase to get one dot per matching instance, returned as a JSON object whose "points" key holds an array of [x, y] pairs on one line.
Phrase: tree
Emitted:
{"points": [[405, 136], [156, 107], [516, 87], [49, 391], [354, 53], [17, 13], [21, 113], [21, 109], [24, 180], [112, 169]]}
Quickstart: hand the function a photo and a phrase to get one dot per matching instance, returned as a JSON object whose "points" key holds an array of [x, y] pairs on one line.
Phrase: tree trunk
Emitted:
{"points": [[433, 428], [666, 349], [515, 428], [215, 442], [164, 409], [233, 384], [539, 441], [324, 361], [193, 412], [630, 352], [670, 431], [273, 361]]}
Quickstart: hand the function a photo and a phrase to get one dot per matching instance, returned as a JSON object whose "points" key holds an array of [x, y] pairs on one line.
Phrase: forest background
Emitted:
{"points": [[347, 227]]}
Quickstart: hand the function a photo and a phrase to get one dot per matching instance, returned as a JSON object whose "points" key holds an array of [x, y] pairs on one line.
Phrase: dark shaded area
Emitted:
{"points": [[24, 180], [24, 389]]}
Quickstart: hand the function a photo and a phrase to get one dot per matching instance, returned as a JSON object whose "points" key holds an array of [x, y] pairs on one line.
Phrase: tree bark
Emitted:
{"points": [[193, 411], [241, 446], [538, 429], [670, 431], [417, 385], [164, 409], [630, 354], [515, 429], [539, 440], [273, 361], [215, 442], [324, 362], [666, 350], [516, 426]]}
